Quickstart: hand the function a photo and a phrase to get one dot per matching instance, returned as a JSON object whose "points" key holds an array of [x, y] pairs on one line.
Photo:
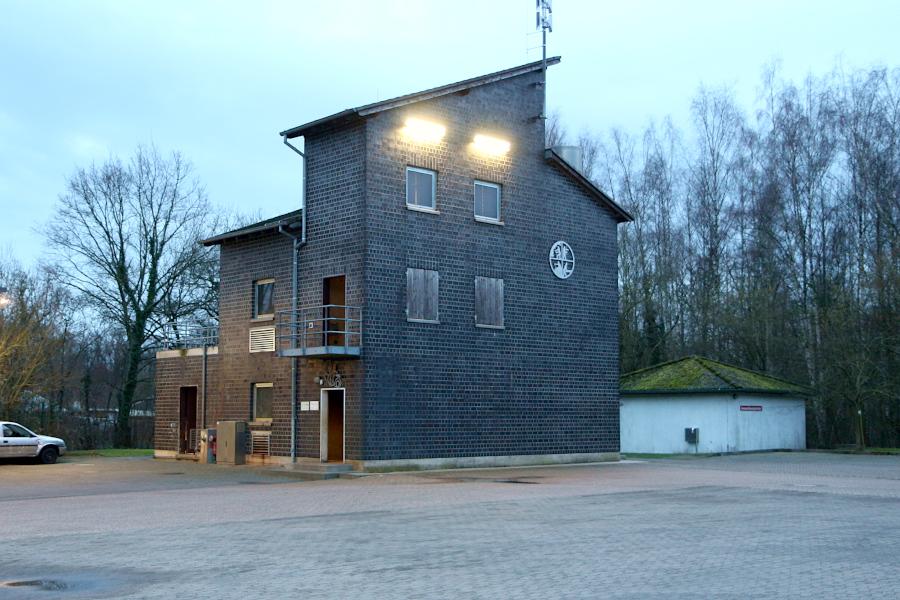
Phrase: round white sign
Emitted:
{"points": [[562, 260]]}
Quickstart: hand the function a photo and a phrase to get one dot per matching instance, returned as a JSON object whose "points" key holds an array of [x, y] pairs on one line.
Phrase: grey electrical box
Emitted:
{"points": [[692, 435], [231, 442]]}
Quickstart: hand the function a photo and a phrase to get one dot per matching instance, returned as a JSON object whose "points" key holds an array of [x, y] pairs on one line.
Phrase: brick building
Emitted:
{"points": [[456, 295]]}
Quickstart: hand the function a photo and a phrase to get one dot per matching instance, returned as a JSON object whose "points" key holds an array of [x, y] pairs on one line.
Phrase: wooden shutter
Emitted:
{"points": [[488, 302], [422, 288]]}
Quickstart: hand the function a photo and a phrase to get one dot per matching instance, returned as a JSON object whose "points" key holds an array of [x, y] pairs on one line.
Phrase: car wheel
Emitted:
{"points": [[49, 455]]}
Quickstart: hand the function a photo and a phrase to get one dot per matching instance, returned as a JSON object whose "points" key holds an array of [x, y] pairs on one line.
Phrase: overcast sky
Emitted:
{"points": [[80, 81]]}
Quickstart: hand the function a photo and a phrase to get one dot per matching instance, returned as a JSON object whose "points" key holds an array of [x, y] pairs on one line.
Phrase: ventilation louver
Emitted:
{"points": [[262, 339]]}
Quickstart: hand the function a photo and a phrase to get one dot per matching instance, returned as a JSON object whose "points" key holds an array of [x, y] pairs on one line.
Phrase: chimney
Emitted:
{"points": [[572, 155]]}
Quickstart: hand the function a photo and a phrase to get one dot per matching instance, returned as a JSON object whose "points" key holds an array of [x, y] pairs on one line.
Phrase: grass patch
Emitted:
{"points": [[113, 452], [882, 450], [856, 450]]}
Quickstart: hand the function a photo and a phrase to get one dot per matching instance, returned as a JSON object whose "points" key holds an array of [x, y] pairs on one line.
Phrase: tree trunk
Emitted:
{"points": [[126, 398]]}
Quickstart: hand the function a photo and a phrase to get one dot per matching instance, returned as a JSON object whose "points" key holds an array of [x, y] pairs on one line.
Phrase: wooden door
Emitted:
{"points": [[334, 299], [187, 419], [331, 424]]}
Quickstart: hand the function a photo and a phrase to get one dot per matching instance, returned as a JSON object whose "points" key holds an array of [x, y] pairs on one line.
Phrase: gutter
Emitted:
{"points": [[295, 282]]}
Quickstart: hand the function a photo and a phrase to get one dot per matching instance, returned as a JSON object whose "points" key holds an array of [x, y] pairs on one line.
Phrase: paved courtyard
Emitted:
{"points": [[780, 525]]}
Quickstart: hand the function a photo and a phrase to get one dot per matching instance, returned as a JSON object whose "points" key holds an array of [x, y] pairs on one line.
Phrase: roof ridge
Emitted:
{"points": [[656, 366], [752, 372], [257, 227], [363, 110], [703, 363]]}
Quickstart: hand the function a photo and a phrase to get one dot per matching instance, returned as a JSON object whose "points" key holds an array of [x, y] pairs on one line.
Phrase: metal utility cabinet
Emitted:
{"points": [[231, 442]]}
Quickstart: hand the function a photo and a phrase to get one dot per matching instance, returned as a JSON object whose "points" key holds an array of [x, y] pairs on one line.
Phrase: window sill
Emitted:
{"points": [[480, 326], [408, 320], [262, 319], [489, 221], [260, 423], [423, 209]]}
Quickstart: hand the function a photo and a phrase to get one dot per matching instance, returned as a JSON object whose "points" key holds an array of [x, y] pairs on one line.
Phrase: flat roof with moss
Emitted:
{"points": [[695, 374]]}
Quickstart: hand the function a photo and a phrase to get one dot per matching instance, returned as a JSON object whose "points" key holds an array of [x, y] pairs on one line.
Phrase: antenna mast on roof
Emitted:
{"points": [[544, 21]]}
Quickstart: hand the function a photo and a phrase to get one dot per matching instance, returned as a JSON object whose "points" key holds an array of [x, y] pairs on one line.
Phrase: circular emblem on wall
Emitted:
{"points": [[562, 260]]}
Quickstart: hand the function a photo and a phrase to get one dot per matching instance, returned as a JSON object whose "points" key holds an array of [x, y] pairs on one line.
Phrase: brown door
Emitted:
{"points": [[333, 297], [187, 418], [335, 426]]}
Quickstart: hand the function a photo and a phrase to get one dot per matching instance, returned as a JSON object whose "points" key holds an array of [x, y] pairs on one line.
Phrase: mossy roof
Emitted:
{"points": [[695, 374]]}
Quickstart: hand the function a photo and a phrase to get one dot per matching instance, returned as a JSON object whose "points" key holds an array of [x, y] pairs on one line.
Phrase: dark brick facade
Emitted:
{"points": [[548, 382], [171, 375], [545, 384]]}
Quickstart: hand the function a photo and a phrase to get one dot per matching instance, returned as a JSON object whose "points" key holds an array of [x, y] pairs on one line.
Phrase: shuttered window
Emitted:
{"points": [[422, 295], [488, 302]]}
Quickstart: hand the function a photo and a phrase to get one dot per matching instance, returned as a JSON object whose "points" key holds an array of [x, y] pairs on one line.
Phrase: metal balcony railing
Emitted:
{"points": [[327, 331], [176, 337]]}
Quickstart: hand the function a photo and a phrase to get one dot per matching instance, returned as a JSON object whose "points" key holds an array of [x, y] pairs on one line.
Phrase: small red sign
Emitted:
{"points": [[751, 407]]}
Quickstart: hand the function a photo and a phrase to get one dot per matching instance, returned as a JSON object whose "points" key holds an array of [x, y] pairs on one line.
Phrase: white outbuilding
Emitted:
{"points": [[697, 405]]}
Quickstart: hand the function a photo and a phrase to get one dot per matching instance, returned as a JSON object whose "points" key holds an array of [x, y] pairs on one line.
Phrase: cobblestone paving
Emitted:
{"points": [[752, 526]]}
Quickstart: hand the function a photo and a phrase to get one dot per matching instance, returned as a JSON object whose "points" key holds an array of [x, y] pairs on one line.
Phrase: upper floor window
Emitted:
{"points": [[489, 302], [487, 201], [422, 295], [262, 401], [420, 188], [263, 298]]}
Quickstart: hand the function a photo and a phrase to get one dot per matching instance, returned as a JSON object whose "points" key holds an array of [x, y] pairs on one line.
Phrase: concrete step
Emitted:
{"points": [[313, 470]]}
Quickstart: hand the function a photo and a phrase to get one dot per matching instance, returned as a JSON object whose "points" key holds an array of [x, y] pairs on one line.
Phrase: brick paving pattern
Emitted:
{"points": [[799, 525]]}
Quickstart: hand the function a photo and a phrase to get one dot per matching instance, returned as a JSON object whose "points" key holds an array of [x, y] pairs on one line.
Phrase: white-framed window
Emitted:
{"points": [[421, 185], [262, 401], [263, 298], [489, 302], [487, 202], [422, 295]]}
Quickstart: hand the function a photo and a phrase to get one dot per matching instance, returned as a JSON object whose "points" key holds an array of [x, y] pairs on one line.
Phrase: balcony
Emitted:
{"points": [[185, 336], [326, 331]]}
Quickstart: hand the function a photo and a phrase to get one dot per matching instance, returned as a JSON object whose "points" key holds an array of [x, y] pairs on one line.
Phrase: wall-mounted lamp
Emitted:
{"points": [[320, 380], [492, 146], [422, 131]]}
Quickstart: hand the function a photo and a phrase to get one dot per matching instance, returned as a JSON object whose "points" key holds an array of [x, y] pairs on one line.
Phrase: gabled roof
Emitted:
{"points": [[353, 114], [695, 374], [284, 220], [622, 216]]}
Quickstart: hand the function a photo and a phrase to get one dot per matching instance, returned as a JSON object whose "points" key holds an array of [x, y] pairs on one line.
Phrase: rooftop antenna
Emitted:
{"points": [[543, 15]]}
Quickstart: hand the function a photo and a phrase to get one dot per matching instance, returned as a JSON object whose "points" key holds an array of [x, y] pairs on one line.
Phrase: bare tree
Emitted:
{"points": [[29, 339], [554, 132], [125, 236]]}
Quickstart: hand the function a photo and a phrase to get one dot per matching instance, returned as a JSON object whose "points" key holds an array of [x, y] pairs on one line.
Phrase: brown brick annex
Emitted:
{"points": [[447, 296]]}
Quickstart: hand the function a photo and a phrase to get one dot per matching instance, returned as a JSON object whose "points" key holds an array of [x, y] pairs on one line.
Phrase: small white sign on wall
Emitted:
{"points": [[304, 406], [314, 405]]}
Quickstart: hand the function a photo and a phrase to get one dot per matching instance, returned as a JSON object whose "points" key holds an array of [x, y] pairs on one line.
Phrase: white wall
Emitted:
{"points": [[655, 423]]}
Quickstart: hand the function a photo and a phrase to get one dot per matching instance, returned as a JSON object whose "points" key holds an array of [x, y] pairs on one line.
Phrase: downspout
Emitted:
{"points": [[203, 378], [295, 282]]}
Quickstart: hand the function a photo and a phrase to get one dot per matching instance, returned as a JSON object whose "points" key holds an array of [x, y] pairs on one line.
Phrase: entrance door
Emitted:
{"points": [[187, 418], [334, 299], [331, 426]]}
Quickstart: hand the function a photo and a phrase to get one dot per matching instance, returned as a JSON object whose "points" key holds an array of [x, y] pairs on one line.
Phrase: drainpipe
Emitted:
{"points": [[295, 282], [203, 378]]}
